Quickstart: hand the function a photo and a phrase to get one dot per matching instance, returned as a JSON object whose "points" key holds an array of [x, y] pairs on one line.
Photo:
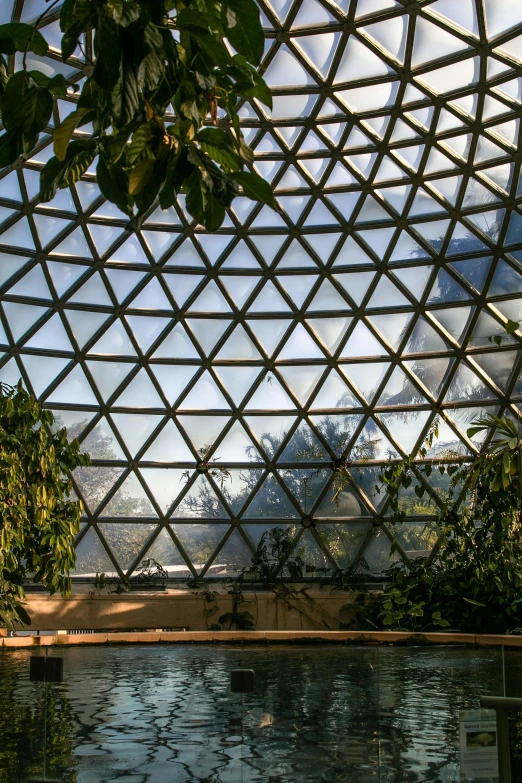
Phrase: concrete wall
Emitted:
{"points": [[315, 610]]}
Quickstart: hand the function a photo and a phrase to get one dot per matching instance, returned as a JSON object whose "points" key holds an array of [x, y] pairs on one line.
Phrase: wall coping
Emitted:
{"points": [[256, 637]]}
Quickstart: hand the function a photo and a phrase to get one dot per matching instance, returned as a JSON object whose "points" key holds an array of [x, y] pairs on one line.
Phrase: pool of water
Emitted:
{"points": [[165, 714]]}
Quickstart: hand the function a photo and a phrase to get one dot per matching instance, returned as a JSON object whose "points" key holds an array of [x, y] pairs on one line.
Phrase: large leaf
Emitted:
{"points": [[11, 146], [77, 13], [63, 173], [140, 176], [244, 29], [63, 133], [26, 107], [114, 185], [255, 187], [108, 53], [23, 37]]}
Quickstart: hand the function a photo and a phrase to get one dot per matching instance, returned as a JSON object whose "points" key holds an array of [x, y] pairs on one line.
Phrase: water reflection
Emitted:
{"points": [[156, 714]]}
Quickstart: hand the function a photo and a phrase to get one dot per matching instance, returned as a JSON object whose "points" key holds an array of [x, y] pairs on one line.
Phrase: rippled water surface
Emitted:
{"points": [[165, 714]]}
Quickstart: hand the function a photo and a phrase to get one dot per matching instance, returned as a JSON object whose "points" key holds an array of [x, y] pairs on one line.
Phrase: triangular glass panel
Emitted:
{"points": [[166, 484], [359, 62], [328, 299], [269, 396], [305, 484], [51, 334], [152, 297], [182, 286], [135, 428], [377, 557], [146, 329], [497, 366], [178, 345], [64, 275], [343, 541], [233, 556], [200, 502], [48, 228], [103, 236], [392, 327], [43, 370], [101, 443], [362, 343], [467, 387], [84, 324], [386, 294], [203, 431], [506, 279], [173, 379], [95, 483], [93, 290], [91, 557], [126, 542], [22, 317], [405, 430], [239, 346], [432, 373], [237, 380], [286, 71], [199, 542], [168, 446], [304, 447], [164, 551], [446, 289], [204, 395], [18, 235], [330, 330], [237, 446], [114, 342], [185, 255], [454, 321], [334, 393], [74, 390], [302, 380], [400, 391], [210, 300], [318, 49], [130, 252], [32, 285], [208, 332], [366, 377], [269, 332], [299, 345], [269, 300], [270, 502]]}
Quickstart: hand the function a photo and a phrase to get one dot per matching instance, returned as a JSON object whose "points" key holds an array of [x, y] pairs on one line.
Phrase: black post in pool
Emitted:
{"points": [[44, 669]]}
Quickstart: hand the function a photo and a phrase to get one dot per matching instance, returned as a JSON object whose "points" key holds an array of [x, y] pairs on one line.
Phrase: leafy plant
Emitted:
{"points": [[38, 518], [150, 572], [154, 73], [473, 582]]}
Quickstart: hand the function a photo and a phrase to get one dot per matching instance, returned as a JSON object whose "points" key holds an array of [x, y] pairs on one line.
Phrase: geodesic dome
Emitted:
{"points": [[215, 379]]}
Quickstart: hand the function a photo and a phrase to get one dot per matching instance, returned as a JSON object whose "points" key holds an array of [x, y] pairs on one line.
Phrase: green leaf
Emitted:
{"points": [[127, 102], [244, 29], [114, 185], [140, 176], [61, 174], [475, 603], [63, 133], [108, 53], [24, 37], [140, 143], [25, 106], [255, 187], [11, 146], [419, 490], [77, 13]]}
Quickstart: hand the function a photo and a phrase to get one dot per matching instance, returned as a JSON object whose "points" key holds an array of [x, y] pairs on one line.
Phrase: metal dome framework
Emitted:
{"points": [[215, 378]]}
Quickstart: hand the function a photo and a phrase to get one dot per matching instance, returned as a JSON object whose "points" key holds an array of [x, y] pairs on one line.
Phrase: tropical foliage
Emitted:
{"points": [[154, 74], [473, 582], [38, 517]]}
